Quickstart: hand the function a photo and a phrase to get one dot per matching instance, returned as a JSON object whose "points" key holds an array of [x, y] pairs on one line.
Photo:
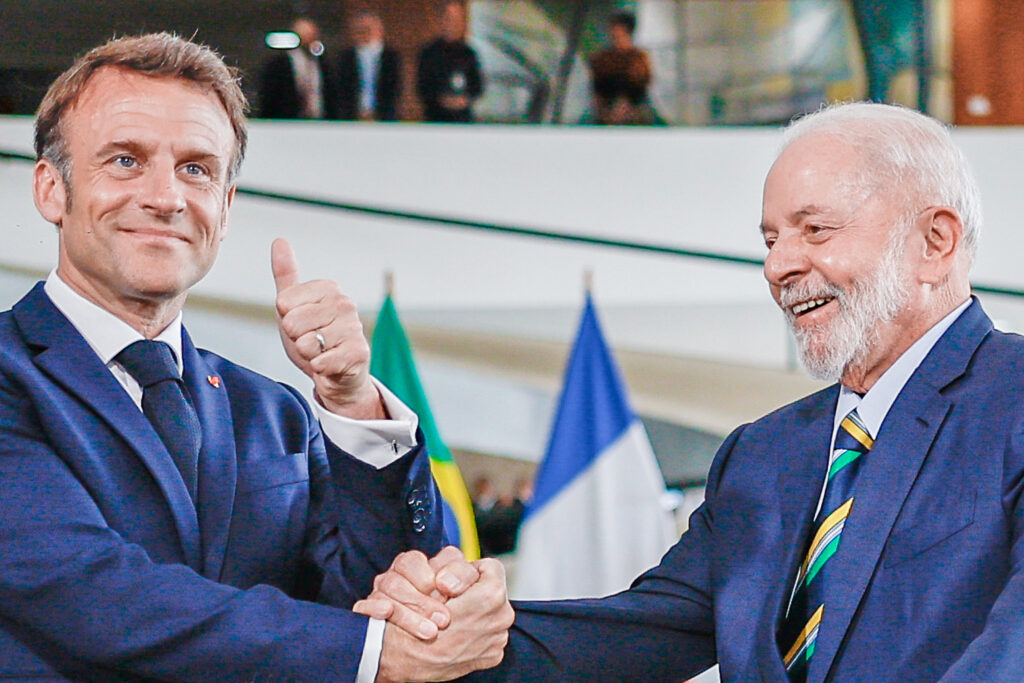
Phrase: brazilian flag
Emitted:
{"points": [[392, 363]]}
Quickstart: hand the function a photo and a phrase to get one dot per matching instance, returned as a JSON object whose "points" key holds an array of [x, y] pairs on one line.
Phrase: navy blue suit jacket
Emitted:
{"points": [[108, 571], [931, 558]]}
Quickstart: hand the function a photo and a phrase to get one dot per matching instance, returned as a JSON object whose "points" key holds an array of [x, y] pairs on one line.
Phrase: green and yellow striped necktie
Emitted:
{"points": [[807, 603]]}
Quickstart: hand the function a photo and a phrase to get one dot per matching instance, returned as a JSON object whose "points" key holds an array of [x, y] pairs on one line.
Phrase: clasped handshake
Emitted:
{"points": [[445, 616]]}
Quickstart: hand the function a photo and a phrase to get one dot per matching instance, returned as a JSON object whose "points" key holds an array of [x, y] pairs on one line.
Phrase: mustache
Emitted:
{"points": [[791, 295]]}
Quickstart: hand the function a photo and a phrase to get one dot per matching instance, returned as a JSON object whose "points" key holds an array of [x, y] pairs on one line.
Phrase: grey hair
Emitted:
{"points": [[905, 151]]}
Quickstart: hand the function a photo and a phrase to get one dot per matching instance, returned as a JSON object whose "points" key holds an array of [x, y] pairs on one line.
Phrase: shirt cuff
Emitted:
{"points": [[375, 442], [372, 647]]}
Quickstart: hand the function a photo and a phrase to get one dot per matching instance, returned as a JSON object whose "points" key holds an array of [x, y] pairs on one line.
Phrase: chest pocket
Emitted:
{"points": [[267, 473], [944, 522]]}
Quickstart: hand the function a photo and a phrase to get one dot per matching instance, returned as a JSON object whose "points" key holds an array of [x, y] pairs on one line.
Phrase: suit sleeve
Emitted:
{"points": [[475, 87], [660, 629], [427, 77], [376, 514], [995, 656], [390, 86], [277, 96]]}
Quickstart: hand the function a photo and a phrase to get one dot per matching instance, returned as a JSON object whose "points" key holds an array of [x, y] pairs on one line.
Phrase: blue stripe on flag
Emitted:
{"points": [[592, 412]]}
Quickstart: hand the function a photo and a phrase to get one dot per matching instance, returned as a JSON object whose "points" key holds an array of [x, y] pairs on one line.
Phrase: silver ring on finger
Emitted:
{"points": [[320, 340]]}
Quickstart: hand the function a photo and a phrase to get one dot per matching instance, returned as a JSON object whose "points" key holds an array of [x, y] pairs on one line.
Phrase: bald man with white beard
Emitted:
{"points": [[868, 532]]}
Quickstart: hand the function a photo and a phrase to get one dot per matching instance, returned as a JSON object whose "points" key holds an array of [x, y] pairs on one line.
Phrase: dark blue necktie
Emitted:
{"points": [[166, 404]]}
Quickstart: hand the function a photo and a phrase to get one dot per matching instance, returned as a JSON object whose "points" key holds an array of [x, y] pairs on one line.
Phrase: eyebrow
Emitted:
{"points": [[118, 145], [808, 210], [803, 212]]}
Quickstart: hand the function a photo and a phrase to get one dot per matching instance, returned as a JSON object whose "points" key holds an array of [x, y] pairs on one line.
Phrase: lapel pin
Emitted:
{"points": [[214, 381]]}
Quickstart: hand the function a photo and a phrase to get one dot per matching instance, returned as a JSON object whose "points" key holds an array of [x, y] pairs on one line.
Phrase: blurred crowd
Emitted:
{"points": [[499, 514], [364, 80]]}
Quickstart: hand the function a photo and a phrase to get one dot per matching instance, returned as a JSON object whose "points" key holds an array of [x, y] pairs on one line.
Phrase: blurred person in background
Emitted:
{"points": [[296, 83], [448, 78], [498, 516], [368, 73], [621, 74]]}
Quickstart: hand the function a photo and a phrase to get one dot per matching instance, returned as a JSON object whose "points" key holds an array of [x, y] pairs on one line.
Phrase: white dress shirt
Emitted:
{"points": [[308, 82], [368, 57]]}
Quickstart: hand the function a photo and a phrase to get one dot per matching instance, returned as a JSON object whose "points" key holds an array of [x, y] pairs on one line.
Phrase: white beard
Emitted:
{"points": [[826, 350]]}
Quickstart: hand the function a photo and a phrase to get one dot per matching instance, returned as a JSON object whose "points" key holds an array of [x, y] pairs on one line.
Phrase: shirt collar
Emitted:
{"points": [[875, 404], [107, 334]]}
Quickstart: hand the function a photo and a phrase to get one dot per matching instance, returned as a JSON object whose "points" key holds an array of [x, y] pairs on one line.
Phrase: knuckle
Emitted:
{"points": [[389, 584], [449, 552], [494, 565], [290, 327], [408, 561]]}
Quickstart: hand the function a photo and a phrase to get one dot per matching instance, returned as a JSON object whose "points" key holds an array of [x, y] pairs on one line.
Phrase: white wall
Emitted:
{"points": [[692, 188]]}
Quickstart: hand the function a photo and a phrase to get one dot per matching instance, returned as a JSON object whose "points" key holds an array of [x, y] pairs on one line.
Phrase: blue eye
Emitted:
{"points": [[194, 169], [125, 161]]}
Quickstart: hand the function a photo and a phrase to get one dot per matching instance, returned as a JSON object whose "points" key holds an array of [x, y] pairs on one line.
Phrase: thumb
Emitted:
{"points": [[283, 264]]}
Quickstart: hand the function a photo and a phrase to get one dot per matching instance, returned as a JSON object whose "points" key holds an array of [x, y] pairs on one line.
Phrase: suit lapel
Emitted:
{"points": [[887, 476], [70, 362], [217, 462]]}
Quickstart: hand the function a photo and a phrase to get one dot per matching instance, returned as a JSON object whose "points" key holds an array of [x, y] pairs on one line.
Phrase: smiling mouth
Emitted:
{"points": [[160, 234], [807, 306]]}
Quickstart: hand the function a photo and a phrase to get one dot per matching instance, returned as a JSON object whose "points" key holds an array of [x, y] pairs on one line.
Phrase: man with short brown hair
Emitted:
{"points": [[170, 515]]}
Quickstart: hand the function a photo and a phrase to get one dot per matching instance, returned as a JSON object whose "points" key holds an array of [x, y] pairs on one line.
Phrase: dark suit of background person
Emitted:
{"points": [[110, 570], [386, 86], [448, 77], [279, 94], [368, 34]]}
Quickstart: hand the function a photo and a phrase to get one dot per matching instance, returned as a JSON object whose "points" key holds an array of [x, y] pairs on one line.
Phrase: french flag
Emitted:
{"points": [[596, 519]]}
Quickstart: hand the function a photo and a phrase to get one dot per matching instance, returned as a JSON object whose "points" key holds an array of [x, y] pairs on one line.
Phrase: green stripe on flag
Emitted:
{"points": [[392, 363]]}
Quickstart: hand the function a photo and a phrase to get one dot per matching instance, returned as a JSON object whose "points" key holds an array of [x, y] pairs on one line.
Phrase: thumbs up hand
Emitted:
{"points": [[323, 336]]}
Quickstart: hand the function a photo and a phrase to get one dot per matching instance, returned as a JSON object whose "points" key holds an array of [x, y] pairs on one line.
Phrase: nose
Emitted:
{"points": [[786, 261], [161, 193]]}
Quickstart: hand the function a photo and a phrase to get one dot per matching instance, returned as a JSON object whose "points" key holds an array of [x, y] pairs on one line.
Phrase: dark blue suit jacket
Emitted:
{"points": [[108, 571], [931, 557]]}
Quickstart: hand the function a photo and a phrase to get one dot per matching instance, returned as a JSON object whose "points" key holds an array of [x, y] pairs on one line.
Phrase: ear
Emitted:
{"points": [[943, 234], [49, 192]]}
